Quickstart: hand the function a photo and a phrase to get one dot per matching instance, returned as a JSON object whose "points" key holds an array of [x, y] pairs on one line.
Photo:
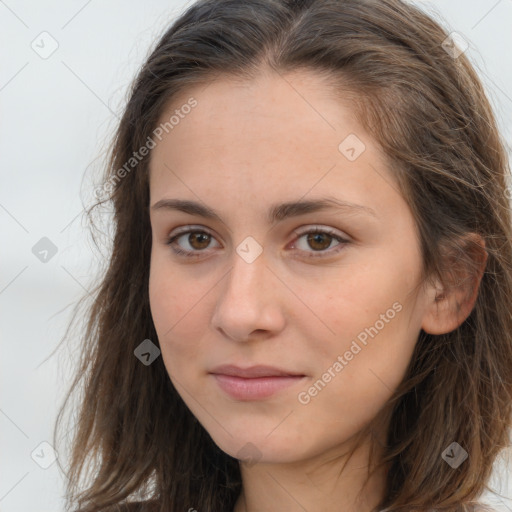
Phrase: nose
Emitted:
{"points": [[249, 303]]}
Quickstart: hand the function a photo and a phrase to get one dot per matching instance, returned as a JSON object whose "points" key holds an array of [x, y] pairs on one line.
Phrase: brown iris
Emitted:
{"points": [[315, 240], [201, 239]]}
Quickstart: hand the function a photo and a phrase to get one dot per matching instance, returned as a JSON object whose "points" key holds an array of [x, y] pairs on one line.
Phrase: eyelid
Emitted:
{"points": [[323, 229], [187, 229], [340, 237], [336, 235], [184, 230], [307, 228]]}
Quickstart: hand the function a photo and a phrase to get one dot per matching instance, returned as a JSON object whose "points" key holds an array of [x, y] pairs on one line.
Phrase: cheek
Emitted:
{"points": [[370, 320], [346, 395], [171, 294], [345, 303], [179, 313]]}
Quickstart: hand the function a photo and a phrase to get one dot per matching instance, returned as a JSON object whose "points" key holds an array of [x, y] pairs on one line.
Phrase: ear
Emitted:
{"points": [[450, 304]]}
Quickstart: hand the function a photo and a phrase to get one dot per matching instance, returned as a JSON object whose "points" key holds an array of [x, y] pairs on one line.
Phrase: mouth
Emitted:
{"points": [[254, 383]]}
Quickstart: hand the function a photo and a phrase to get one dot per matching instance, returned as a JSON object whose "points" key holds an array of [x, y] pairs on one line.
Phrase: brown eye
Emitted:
{"points": [[190, 243], [199, 240], [319, 241]]}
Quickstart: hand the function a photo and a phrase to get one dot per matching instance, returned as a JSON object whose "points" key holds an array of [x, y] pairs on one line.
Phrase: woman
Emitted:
{"points": [[307, 305]]}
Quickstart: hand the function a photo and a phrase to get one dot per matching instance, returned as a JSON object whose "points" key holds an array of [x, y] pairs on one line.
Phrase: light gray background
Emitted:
{"points": [[57, 115]]}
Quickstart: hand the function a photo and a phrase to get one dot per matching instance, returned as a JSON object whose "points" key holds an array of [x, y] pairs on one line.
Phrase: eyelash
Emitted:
{"points": [[316, 254]]}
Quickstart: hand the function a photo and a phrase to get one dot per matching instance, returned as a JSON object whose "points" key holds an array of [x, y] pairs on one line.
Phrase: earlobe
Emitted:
{"points": [[449, 306]]}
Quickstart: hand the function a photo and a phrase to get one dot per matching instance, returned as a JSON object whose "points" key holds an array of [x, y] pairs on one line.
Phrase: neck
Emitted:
{"points": [[331, 482]]}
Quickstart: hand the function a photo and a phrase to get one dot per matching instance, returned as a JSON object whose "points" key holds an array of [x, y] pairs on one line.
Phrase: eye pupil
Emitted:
{"points": [[316, 238], [202, 238]]}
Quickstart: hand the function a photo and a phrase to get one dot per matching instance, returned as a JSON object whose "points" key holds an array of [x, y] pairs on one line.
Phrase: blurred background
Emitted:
{"points": [[64, 72]]}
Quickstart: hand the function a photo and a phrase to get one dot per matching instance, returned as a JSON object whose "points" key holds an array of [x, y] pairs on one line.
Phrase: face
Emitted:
{"points": [[327, 294]]}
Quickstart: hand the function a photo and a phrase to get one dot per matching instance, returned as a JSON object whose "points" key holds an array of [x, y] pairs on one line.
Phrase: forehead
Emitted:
{"points": [[274, 135], [228, 104]]}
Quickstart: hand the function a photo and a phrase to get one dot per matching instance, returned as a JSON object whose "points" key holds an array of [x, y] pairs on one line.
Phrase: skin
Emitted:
{"points": [[243, 148]]}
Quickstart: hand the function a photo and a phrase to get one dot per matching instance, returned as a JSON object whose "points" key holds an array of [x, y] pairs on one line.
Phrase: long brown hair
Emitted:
{"points": [[426, 107]]}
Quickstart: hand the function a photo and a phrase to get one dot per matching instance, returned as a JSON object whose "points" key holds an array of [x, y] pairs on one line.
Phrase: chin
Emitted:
{"points": [[256, 446]]}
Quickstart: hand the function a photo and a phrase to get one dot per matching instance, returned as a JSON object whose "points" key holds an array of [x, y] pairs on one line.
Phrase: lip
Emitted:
{"points": [[255, 382], [254, 371]]}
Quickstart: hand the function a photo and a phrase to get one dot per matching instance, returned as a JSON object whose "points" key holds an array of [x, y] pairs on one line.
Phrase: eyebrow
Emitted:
{"points": [[277, 212]]}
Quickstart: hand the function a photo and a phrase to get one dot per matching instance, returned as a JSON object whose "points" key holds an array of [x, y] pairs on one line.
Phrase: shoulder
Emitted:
{"points": [[138, 506], [481, 507], [143, 506], [472, 507]]}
